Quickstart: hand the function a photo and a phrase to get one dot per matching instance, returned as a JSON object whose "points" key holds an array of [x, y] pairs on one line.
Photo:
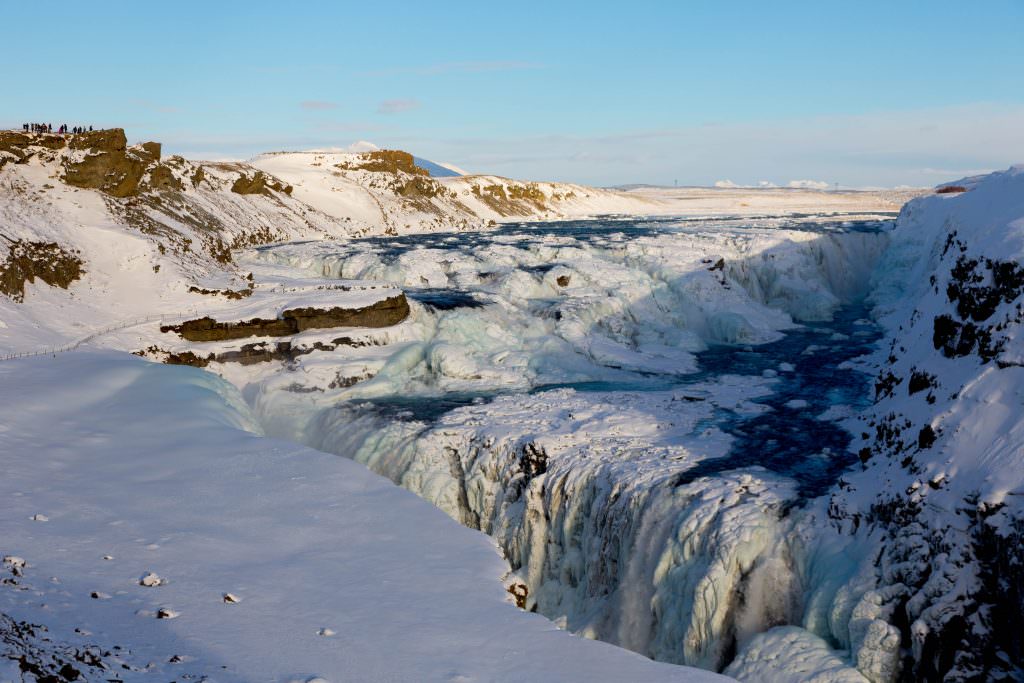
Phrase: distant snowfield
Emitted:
{"points": [[714, 201], [116, 468]]}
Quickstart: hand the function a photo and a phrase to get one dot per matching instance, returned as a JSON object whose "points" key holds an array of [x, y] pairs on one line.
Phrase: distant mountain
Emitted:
{"points": [[436, 170]]}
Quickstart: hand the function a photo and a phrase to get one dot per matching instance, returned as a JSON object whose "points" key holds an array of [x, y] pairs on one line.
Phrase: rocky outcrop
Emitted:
{"points": [[108, 164], [385, 161], [258, 352], [260, 183], [47, 261], [162, 178], [383, 313], [513, 199], [17, 147]]}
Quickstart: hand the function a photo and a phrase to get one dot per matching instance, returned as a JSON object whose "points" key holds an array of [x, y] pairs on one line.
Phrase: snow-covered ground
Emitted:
{"points": [[115, 469], [714, 201]]}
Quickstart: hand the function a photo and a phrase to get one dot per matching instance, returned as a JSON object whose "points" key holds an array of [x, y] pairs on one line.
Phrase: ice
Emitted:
{"points": [[644, 305], [789, 654]]}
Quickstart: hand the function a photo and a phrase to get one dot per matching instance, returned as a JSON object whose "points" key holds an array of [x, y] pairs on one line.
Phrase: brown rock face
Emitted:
{"points": [[47, 261], [109, 140], [109, 166], [152, 150], [16, 145], [385, 161], [384, 313], [260, 183], [161, 178]]}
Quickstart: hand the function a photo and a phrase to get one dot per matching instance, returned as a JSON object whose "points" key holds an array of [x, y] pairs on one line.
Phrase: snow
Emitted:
{"points": [[161, 469], [533, 392]]}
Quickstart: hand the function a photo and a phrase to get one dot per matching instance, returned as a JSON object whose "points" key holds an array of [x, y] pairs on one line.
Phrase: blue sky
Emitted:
{"points": [[859, 93]]}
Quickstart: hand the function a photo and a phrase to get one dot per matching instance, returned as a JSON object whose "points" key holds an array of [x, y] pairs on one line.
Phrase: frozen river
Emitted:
{"points": [[638, 411]]}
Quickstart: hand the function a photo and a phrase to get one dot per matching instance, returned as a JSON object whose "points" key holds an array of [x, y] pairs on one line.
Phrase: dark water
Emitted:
{"points": [[791, 440], [599, 232], [445, 299], [788, 440]]}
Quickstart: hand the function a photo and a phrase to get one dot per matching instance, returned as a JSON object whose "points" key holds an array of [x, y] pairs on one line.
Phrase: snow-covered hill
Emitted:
{"points": [[387, 189], [130, 235]]}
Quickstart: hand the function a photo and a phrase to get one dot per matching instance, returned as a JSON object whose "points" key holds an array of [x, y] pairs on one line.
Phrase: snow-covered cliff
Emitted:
{"points": [[943, 447]]}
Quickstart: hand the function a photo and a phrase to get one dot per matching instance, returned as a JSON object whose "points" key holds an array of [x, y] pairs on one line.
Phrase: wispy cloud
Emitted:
{"points": [[397, 106], [454, 67], [317, 105]]}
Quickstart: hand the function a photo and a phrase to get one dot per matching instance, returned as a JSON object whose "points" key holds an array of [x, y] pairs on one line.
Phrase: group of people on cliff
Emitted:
{"points": [[48, 128]]}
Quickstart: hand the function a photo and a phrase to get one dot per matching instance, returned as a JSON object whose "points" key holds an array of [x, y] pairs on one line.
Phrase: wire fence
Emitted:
{"points": [[125, 324]]}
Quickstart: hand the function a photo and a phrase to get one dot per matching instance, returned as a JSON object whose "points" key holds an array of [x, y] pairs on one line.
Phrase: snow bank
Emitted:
{"points": [[333, 572]]}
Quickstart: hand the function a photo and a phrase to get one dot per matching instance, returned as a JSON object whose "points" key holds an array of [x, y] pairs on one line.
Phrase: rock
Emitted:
{"points": [[161, 178], [107, 140], [385, 161], [563, 280], [16, 564], [151, 580], [260, 183], [17, 145], [519, 593], [47, 261], [151, 150], [109, 166], [383, 313]]}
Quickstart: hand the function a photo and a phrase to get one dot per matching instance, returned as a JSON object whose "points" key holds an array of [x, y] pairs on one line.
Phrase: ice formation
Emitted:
{"points": [[621, 511]]}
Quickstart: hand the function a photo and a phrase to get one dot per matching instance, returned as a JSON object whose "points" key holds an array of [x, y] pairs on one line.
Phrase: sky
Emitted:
{"points": [[856, 93]]}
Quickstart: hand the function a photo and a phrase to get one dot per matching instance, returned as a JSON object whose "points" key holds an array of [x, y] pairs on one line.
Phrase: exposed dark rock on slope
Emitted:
{"points": [[27, 261], [384, 313]]}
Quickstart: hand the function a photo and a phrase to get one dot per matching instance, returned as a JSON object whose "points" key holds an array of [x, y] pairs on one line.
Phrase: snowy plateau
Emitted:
{"points": [[325, 416]]}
